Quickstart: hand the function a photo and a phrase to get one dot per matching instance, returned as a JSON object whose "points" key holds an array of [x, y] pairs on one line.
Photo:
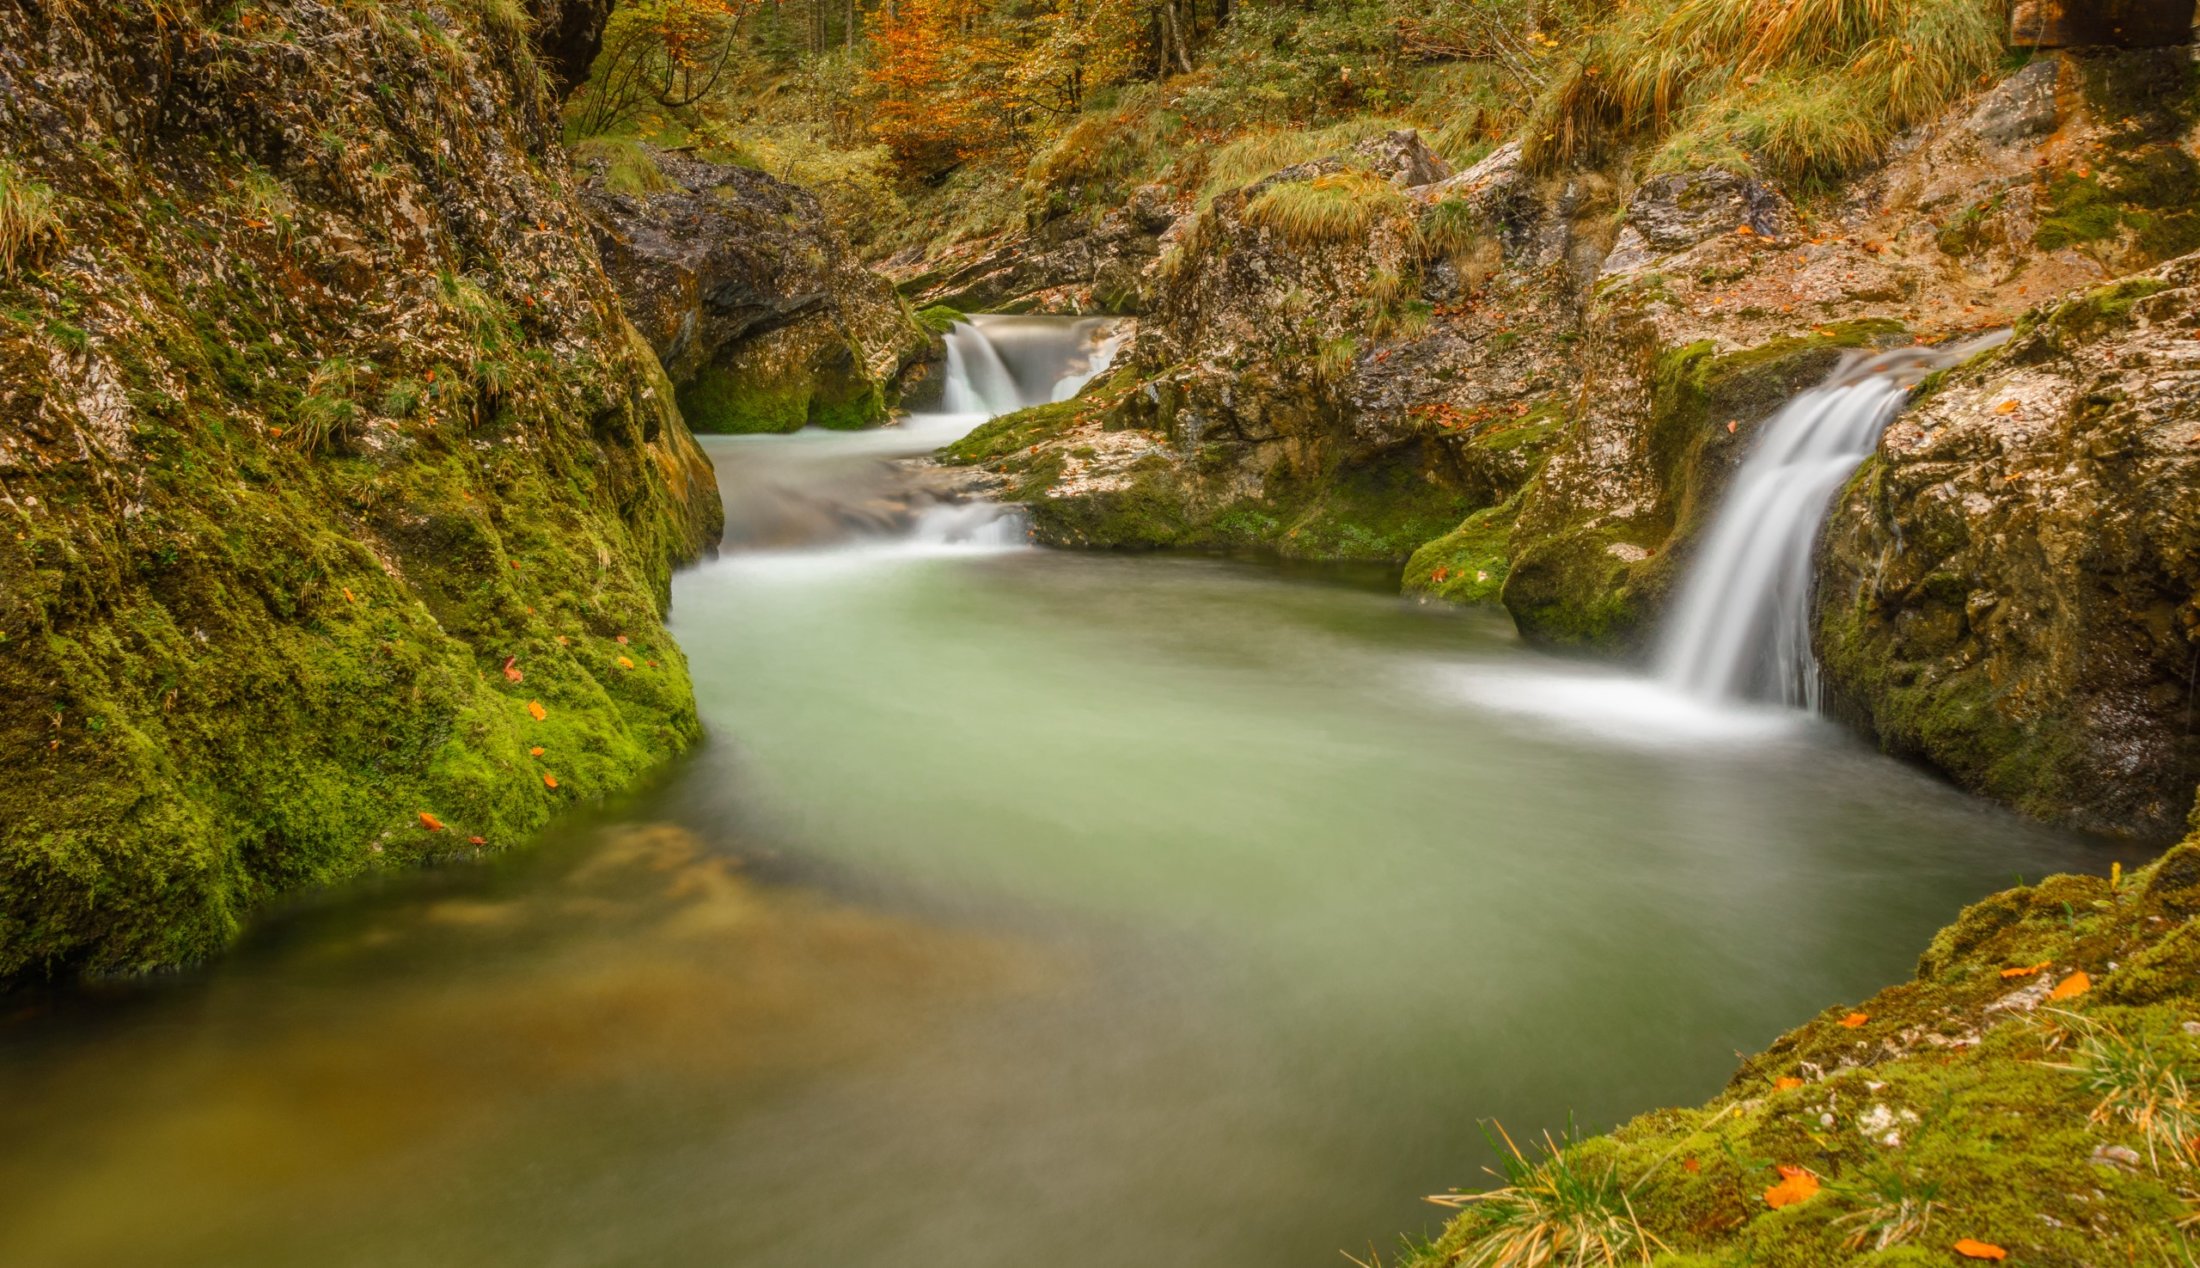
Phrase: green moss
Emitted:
{"points": [[1946, 1113], [1470, 563], [938, 318], [749, 398]]}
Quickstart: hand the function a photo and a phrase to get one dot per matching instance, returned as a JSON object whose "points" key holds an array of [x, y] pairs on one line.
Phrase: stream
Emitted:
{"points": [[1023, 907]]}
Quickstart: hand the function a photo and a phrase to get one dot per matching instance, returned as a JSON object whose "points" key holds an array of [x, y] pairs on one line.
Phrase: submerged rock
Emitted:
{"points": [[762, 315]]}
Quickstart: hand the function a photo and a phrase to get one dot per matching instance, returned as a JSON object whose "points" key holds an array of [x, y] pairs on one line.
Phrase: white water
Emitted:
{"points": [[1741, 629], [796, 498], [996, 364]]}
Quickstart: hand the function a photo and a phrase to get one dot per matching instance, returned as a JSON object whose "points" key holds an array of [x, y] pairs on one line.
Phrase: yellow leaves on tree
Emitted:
{"points": [[960, 77], [1796, 1185]]}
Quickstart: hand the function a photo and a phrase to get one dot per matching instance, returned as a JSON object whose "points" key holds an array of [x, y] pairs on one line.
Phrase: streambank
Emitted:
{"points": [[341, 499], [1532, 385]]}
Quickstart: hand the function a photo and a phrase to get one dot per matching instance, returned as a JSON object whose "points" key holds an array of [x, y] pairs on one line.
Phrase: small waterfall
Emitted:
{"points": [[998, 364], [1741, 628]]}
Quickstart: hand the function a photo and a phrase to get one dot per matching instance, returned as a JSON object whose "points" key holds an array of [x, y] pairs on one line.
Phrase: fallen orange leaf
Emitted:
{"points": [[1691, 1166], [1786, 1083], [549, 780], [624, 663], [536, 711], [2006, 407], [511, 669], [535, 751], [1796, 1185], [2071, 987], [477, 841], [1731, 424], [1970, 1248], [622, 640], [2027, 971], [347, 595], [1853, 1020], [430, 822]]}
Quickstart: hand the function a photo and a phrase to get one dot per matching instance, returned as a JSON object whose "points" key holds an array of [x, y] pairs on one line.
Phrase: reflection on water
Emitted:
{"points": [[1099, 912]]}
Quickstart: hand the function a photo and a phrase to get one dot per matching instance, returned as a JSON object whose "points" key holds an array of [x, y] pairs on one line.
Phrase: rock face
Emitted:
{"points": [[2118, 23], [568, 35], [1067, 265], [2012, 591], [336, 484], [763, 317]]}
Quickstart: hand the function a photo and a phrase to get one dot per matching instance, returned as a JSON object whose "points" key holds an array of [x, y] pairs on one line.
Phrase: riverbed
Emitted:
{"points": [[1023, 906]]}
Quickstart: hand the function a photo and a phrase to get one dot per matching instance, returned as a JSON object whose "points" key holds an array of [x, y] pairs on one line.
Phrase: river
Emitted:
{"points": [[1023, 907]]}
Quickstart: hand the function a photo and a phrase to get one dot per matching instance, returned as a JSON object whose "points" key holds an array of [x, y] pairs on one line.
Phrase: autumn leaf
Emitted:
{"points": [[477, 841], [430, 822], [621, 640], [1853, 1020], [1691, 1165], [348, 597], [1796, 1185], [2006, 407], [536, 711], [511, 669], [2027, 970], [624, 663], [1786, 1083], [2071, 987], [535, 751], [549, 780], [1970, 1248]]}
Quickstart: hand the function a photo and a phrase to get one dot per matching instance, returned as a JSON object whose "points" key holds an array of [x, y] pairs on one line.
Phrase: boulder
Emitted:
{"points": [[764, 318]]}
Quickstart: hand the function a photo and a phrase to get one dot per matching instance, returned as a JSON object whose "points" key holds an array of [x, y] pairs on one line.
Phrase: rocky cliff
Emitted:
{"points": [[761, 314], [341, 500]]}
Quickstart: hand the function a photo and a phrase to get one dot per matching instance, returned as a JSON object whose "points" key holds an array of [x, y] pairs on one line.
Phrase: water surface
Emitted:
{"points": [[1024, 907]]}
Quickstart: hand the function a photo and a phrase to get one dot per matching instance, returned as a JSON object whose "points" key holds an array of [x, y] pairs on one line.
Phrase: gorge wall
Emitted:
{"points": [[341, 499]]}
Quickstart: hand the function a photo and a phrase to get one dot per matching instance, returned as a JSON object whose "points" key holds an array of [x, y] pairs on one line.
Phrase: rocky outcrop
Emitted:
{"points": [[341, 501], [2120, 23], [1069, 264], [568, 35], [2012, 590], [763, 317]]}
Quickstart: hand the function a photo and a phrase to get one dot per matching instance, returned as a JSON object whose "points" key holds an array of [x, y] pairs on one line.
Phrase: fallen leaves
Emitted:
{"points": [[430, 822], [1971, 1248], [1796, 1185], [535, 751], [536, 711], [2026, 971], [477, 840], [1786, 1083], [511, 669], [2006, 407], [549, 780], [1853, 1020], [624, 663], [348, 596], [2071, 987]]}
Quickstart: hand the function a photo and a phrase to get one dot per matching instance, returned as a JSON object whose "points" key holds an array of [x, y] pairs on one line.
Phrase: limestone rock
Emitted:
{"points": [[763, 317]]}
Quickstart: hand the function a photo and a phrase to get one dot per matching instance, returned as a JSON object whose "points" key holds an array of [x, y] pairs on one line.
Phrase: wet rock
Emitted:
{"points": [[1069, 264], [763, 317], [1673, 213], [2119, 23]]}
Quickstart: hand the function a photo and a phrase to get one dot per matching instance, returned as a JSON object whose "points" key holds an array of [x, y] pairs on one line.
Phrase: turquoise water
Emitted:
{"points": [[1023, 907]]}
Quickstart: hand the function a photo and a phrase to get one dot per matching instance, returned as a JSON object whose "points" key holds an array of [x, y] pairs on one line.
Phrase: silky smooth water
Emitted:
{"points": [[1024, 907]]}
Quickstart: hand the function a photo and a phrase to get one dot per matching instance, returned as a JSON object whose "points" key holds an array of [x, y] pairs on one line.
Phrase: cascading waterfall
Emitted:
{"points": [[996, 364], [1741, 629]]}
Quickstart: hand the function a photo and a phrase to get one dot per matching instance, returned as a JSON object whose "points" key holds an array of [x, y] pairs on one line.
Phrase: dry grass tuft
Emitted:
{"points": [[1336, 207], [30, 219]]}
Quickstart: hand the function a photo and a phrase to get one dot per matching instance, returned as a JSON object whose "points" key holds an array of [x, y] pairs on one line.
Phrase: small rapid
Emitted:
{"points": [[1741, 629], [817, 492]]}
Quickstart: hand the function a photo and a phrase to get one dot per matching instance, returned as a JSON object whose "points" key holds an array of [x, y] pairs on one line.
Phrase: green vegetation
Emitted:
{"points": [[628, 168], [30, 219], [1336, 207], [2031, 1090]]}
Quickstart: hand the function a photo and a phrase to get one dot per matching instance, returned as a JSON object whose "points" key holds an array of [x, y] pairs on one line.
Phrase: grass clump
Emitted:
{"points": [[1336, 207], [1802, 89], [1559, 1208], [628, 168], [2149, 1088], [327, 408], [30, 219]]}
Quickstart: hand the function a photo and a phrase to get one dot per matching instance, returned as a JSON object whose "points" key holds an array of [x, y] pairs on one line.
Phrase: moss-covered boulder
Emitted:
{"points": [[2030, 1092], [762, 315], [338, 499], [2011, 589]]}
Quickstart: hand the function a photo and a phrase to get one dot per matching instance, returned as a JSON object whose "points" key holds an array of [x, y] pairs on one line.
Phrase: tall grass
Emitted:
{"points": [[1804, 89], [1554, 1209], [2153, 1090], [1238, 163], [1336, 207], [627, 167], [30, 218]]}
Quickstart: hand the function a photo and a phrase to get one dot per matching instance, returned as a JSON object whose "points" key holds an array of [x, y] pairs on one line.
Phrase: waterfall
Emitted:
{"points": [[997, 364], [1741, 628]]}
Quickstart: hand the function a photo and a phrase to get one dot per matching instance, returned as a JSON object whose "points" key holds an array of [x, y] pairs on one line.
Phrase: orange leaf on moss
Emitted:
{"points": [[1796, 1185], [511, 669], [535, 751], [624, 663], [430, 822], [2026, 971], [2071, 987], [536, 711], [1971, 1248], [549, 780], [1786, 1083], [1853, 1020]]}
